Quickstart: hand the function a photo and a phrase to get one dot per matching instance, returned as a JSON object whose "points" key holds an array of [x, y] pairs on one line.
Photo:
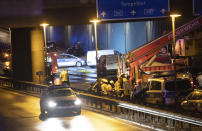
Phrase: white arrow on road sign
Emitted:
{"points": [[133, 12], [163, 11], [103, 14]]}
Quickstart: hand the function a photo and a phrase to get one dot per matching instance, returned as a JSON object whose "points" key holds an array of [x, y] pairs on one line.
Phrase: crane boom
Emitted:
{"points": [[143, 53], [139, 55]]}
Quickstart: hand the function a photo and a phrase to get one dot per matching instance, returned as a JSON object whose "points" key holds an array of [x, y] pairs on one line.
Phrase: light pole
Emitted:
{"points": [[95, 21], [173, 16], [44, 25]]}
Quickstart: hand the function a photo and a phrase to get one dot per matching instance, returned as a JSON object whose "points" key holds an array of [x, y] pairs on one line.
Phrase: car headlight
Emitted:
{"points": [[185, 102], [77, 102], [52, 104]]}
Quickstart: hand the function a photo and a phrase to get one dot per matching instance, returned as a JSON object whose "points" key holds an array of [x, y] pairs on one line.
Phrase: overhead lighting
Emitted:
{"points": [[44, 24], [175, 15], [95, 21]]}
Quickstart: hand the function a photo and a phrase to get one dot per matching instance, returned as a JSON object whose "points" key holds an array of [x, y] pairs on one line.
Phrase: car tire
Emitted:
{"points": [[78, 64], [42, 117]]}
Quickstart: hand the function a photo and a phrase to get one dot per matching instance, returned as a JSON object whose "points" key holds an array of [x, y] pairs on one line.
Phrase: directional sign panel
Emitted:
{"points": [[197, 7], [131, 9]]}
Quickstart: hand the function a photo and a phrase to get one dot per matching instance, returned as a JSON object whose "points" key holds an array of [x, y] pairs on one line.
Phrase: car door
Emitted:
{"points": [[71, 60], [154, 94], [192, 102], [61, 61], [199, 103]]}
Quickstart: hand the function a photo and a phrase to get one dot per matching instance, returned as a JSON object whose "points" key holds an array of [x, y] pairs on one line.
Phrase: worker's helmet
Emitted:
{"points": [[111, 82], [104, 80]]}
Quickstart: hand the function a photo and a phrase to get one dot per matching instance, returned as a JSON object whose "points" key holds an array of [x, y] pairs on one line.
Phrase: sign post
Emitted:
{"points": [[39, 73]]}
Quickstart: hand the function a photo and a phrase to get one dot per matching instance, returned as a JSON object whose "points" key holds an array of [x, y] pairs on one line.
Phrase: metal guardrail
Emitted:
{"points": [[116, 108]]}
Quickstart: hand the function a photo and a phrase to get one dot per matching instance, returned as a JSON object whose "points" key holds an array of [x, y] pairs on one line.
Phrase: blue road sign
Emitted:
{"points": [[131, 9], [197, 7]]}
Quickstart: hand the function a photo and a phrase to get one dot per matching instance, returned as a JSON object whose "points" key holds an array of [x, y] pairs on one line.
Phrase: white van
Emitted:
{"points": [[91, 55]]}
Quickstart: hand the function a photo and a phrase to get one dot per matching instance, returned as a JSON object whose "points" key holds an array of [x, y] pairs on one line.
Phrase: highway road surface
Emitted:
{"points": [[20, 112]]}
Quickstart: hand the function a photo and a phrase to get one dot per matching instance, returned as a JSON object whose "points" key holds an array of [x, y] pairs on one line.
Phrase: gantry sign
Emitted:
{"points": [[131, 9], [197, 7]]}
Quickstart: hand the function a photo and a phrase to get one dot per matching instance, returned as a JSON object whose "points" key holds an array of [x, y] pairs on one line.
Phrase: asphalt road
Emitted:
{"points": [[19, 112], [81, 77]]}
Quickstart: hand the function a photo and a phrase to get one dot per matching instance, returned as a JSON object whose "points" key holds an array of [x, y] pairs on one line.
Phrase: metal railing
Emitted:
{"points": [[117, 108]]}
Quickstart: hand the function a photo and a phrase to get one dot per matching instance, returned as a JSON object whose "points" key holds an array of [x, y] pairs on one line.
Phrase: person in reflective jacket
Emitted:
{"points": [[64, 77]]}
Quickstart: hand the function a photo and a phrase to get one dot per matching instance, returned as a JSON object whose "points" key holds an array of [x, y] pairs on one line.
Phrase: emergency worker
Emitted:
{"points": [[64, 77], [138, 92], [126, 88], [112, 88], [117, 87], [109, 89], [132, 92], [104, 84], [112, 84]]}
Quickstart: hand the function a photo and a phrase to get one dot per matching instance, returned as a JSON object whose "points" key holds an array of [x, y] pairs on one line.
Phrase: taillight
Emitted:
{"points": [[163, 94], [192, 83]]}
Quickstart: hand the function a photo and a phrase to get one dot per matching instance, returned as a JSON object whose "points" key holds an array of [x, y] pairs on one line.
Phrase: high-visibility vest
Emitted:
{"points": [[64, 76]]}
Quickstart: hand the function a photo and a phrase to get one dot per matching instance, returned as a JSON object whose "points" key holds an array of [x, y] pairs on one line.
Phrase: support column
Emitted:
{"points": [[21, 54], [27, 54], [67, 36], [37, 51]]}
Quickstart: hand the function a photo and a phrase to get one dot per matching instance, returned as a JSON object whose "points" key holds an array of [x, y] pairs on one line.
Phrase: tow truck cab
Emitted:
{"points": [[167, 91]]}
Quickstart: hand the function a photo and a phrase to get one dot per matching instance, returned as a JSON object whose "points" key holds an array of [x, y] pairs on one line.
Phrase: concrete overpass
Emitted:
{"points": [[29, 13]]}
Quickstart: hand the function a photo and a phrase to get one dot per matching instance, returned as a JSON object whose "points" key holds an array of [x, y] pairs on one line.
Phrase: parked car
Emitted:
{"points": [[64, 60], [193, 101], [167, 91], [58, 100]]}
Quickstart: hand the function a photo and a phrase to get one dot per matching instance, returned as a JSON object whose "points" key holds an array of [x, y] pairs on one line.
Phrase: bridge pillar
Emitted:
{"points": [[27, 54], [37, 51]]}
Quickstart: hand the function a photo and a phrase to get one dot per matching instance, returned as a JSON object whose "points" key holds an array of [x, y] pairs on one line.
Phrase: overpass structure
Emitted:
{"points": [[30, 13]]}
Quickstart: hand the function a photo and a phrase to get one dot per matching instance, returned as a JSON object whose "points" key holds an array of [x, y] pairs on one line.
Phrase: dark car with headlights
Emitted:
{"points": [[59, 100]]}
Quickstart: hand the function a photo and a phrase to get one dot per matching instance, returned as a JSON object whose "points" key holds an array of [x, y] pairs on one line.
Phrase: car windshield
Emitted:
{"points": [[59, 92], [72, 57], [155, 85], [195, 96], [181, 85]]}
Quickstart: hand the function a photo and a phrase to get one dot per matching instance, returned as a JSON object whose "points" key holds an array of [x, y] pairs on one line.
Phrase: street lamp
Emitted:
{"points": [[44, 25], [95, 21], [173, 16]]}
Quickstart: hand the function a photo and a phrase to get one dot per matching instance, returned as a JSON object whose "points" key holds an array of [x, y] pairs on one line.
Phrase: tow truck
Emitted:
{"points": [[147, 62], [141, 59]]}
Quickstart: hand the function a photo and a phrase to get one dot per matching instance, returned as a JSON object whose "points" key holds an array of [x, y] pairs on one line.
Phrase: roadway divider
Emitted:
{"points": [[116, 108]]}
